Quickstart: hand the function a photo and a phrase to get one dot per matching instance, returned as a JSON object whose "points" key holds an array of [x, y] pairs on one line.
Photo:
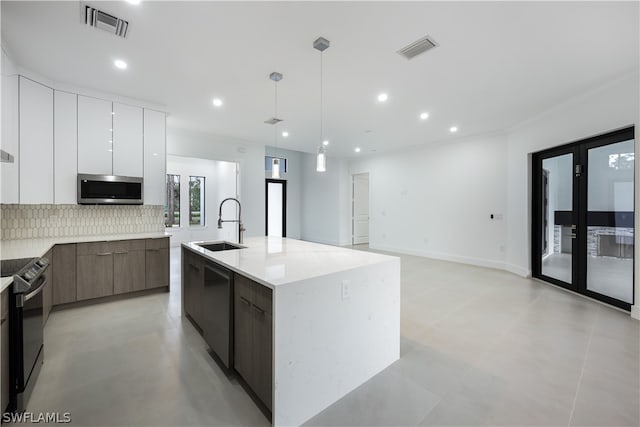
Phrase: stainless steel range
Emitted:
{"points": [[25, 325]]}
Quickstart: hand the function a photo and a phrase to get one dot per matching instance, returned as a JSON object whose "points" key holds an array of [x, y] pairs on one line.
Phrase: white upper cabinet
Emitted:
{"points": [[36, 143], [9, 143], [95, 136], [65, 138], [155, 153], [127, 140]]}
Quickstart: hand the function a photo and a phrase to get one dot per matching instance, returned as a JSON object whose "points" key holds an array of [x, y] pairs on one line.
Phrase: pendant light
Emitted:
{"points": [[275, 162], [321, 44]]}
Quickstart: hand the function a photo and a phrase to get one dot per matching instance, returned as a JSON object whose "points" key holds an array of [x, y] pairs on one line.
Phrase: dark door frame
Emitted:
{"points": [[284, 205], [580, 150]]}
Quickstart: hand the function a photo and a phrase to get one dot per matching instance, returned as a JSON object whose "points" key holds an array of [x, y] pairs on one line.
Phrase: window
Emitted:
{"points": [[172, 208], [268, 162], [196, 200]]}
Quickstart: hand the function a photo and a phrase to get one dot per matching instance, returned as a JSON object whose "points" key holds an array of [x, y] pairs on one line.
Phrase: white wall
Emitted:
{"points": [[326, 198], [436, 201], [248, 156], [293, 176], [220, 183]]}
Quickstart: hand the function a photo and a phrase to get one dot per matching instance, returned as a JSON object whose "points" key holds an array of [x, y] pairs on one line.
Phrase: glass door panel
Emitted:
{"points": [[557, 219], [610, 225]]}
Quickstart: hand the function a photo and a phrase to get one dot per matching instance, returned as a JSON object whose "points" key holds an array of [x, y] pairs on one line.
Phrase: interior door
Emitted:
{"points": [[583, 214], [360, 203]]}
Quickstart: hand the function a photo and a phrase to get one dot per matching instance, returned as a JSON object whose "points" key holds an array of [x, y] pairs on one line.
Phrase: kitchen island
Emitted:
{"points": [[332, 318]]}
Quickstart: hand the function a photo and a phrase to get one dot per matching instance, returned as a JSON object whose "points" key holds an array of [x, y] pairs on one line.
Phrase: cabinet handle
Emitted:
{"points": [[153, 250], [3, 320], [258, 309], [245, 301], [104, 253], [121, 253]]}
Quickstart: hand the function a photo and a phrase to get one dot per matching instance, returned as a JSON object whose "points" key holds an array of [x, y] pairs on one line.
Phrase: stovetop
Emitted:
{"points": [[9, 267]]}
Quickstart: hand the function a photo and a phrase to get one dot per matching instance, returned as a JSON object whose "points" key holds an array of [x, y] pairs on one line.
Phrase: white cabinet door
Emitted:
{"points": [[95, 136], [65, 139], [155, 153], [9, 171], [127, 140], [36, 143]]}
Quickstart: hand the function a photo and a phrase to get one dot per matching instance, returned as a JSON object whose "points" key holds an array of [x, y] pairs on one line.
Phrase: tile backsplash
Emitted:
{"points": [[32, 221]]}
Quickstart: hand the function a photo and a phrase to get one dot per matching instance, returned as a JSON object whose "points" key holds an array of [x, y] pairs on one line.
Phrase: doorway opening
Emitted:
{"points": [[360, 209], [276, 207], [583, 217]]}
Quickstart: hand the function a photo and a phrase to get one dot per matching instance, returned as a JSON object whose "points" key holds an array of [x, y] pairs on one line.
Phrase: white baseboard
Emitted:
{"points": [[480, 262], [635, 311]]}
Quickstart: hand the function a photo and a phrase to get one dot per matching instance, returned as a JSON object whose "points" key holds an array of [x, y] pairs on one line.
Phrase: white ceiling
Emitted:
{"points": [[498, 63]]}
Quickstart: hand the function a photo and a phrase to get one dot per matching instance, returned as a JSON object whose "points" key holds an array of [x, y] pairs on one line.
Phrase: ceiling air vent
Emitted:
{"points": [[273, 121], [417, 47], [104, 21]]}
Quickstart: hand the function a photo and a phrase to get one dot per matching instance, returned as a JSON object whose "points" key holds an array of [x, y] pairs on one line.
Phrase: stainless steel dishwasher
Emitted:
{"points": [[218, 311]]}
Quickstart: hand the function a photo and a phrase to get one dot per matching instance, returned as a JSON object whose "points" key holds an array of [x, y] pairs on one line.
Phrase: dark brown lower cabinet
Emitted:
{"points": [[94, 275], [157, 262], [193, 274], [47, 292], [64, 273], [4, 356], [128, 266], [253, 337]]}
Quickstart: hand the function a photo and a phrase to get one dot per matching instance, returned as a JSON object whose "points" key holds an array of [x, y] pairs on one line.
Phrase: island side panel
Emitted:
{"points": [[327, 344]]}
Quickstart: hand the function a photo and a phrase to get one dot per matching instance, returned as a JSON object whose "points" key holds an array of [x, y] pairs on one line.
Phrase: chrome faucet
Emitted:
{"points": [[241, 228]]}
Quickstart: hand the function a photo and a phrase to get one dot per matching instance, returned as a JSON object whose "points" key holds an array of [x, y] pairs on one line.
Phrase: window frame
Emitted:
{"points": [[166, 205], [203, 222]]}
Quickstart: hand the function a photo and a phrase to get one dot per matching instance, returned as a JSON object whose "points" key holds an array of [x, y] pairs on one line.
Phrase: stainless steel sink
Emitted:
{"points": [[218, 246]]}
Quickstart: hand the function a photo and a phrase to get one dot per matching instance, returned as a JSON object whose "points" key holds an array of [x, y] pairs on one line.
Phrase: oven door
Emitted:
{"points": [[25, 323], [32, 331]]}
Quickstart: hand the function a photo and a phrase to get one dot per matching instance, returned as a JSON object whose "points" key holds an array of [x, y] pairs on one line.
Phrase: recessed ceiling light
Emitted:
{"points": [[453, 129], [325, 142], [217, 102], [120, 64], [424, 116], [383, 97], [285, 134], [357, 149], [134, 2]]}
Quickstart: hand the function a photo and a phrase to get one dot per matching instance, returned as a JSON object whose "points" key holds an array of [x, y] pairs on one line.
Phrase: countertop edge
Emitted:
{"points": [[43, 245]]}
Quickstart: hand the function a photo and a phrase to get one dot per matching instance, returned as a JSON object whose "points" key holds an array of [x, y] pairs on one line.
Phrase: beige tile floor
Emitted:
{"points": [[479, 347]]}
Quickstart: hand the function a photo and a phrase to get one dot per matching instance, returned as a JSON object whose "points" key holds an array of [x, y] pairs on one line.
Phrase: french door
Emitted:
{"points": [[583, 217]]}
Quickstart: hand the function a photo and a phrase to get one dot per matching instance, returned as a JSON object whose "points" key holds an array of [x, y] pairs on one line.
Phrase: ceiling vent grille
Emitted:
{"points": [[273, 121], [104, 21], [417, 47]]}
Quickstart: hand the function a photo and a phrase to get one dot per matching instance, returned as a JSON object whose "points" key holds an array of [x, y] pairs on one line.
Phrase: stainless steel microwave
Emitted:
{"points": [[109, 190]]}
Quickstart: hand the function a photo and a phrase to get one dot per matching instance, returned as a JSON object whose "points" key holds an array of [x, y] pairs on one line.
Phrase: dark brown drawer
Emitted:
{"points": [[160, 243], [123, 246], [94, 248], [243, 288]]}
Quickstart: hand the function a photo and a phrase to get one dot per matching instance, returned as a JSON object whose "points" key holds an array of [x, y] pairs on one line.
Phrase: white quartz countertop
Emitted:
{"points": [[275, 261], [27, 248]]}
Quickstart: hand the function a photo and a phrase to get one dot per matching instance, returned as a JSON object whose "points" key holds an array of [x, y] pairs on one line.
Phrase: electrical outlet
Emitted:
{"points": [[346, 291]]}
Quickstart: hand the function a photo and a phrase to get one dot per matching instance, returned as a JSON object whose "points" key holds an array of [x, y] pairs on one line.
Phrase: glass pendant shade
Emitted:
{"points": [[321, 160], [275, 168]]}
